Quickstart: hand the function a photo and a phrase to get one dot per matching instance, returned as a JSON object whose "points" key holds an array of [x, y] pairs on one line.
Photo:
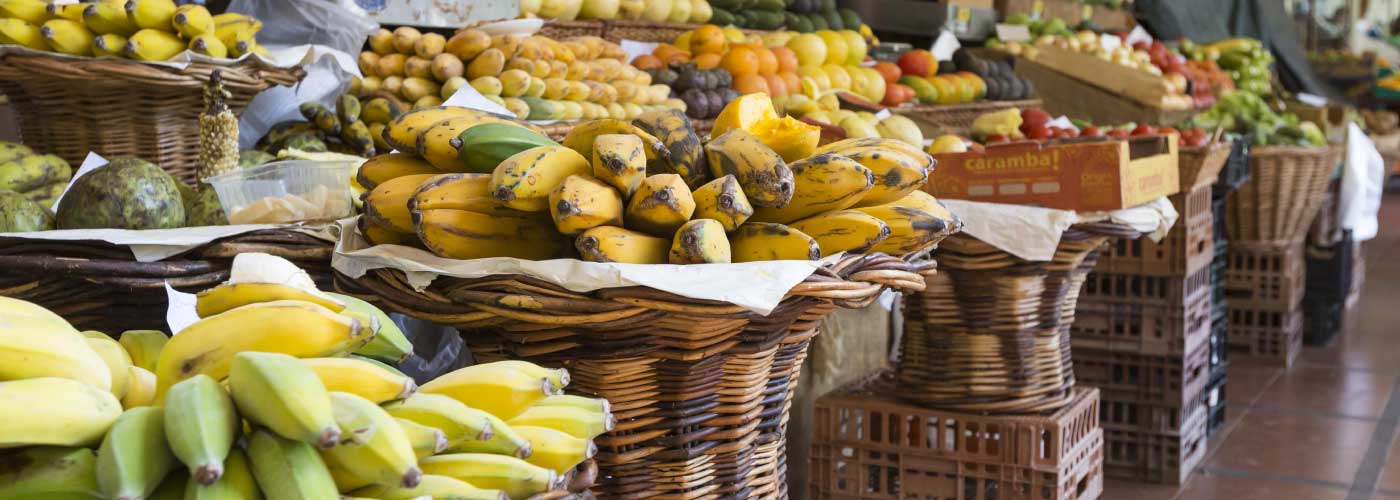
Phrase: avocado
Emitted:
{"points": [[721, 17], [127, 193], [19, 214], [818, 22], [767, 20], [833, 20], [849, 19]]}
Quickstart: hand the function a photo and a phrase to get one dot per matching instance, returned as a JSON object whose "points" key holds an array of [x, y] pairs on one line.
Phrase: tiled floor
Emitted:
{"points": [[1325, 429]]}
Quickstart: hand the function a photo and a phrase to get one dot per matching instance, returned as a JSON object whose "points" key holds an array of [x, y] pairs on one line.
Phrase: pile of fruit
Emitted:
{"points": [[967, 78], [649, 191], [37, 177], [1244, 59], [1034, 125], [1245, 113], [705, 91], [343, 130], [657, 11], [127, 193], [262, 397], [535, 77], [144, 30], [803, 16]]}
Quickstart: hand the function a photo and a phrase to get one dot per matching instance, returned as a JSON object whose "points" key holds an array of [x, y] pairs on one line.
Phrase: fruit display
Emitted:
{"points": [[143, 30], [1247, 114], [658, 11], [802, 16], [1244, 59], [1035, 125], [650, 191], [535, 77], [705, 91], [278, 391], [347, 129], [915, 77]]}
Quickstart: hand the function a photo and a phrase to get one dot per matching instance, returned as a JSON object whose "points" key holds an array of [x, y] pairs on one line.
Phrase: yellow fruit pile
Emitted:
{"points": [[660, 11], [535, 77], [145, 30], [649, 192], [262, 397]]}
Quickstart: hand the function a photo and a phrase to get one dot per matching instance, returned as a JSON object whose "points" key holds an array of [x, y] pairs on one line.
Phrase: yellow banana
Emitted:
{"points": [[426, 441], [844, 231], [700, 241], [882, 142], [766, 179], [389, 344], [118, 362], [143, 346], [68, 37], [569, 400], [459, 234], [69, 11], [236, 483], [380, 169], [576, 421], [201, 426], [403, 132], [896, 173], [54, 411], [15, 31], [516, 477], [557, 376], [387, 204], [684, 155], [438, 143], [911, 230], [109, 45], [281, 393], [468, 192], [107, 18], [293, 327], [208, 45], [535, 172], [822, 183], [50, 472], [239, 43], [30, 11], [615, 244], [36, 346], [230, 295], [926, 202], [154, 45], [193, 20], [459, 422], [582, 202], [134, 456], [433, 486], [499, 390], [555, 449], [618, 159], [581, 137], [759, 241], [151, 14], [723, 200], [373, 447], [287, 469], [660, 206], [361, 378], [140, 388]]}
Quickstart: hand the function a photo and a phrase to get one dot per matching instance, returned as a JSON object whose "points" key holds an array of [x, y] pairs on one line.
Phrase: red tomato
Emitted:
{"points": [[1091, 131], [1143, 130], [996, 139], [1118, 133]]}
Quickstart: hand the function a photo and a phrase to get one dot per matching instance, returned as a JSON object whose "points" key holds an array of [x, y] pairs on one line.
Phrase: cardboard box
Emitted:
{"points": [[1087, 174]]}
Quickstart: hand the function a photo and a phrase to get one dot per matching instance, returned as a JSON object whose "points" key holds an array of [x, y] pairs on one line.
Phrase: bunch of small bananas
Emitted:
{"points": [[343, 130], [646, 192], [144, 30], [262, 397]]}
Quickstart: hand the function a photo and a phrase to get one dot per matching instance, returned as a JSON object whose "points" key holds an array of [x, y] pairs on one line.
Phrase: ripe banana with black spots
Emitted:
{"points": [[764, 175], [660, 206], [844, 231], [292, 327], [288, 470], [193, 20], [470, 192], [134, 456], [389, 343], [281, 393], [373, 448], [433, 486], [18, 32], [619, 160], [362, 378], [928, 203], [576, 421], [154, 45], [117, 360], [685, 155], [236, 483], [615, 244], [723, 200], [516, 477], [382, 168], [499, 390], [582, 136], [387, 204], [533, 173], [201, 425], [911, 230], [822, 183], [68, 37], [151, 14], [582, 202], [54, 411], [460, 234], [459, 422], [426, 441], [759, 241], [140, 388], [108, 18], [230, 295], [321, 116], [438, 144], [555, 449], [143, 346], [883, 142], [700, 241], [47, 472], [896, 173]]}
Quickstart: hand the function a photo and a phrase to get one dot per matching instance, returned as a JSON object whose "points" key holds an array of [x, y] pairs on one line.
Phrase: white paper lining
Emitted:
{"points": [[151, 245], [1032, 233]]}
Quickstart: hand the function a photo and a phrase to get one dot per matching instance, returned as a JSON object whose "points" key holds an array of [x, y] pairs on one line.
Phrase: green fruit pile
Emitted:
{"points": [[344, 130]]}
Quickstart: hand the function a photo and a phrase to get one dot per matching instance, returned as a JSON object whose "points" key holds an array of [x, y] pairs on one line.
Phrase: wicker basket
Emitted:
{"points": [[991, 331], [701, 389], [117, 107], [560, 30], [558, 130], [99, 286], [1283, 195], [958, 117], [647, 31], [1200, 166]]}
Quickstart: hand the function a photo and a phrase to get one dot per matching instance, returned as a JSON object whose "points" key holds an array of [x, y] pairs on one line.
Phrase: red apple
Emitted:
{"points": [[918, 62]]}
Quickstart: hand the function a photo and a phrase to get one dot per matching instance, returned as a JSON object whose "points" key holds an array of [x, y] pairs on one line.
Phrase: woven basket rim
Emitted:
{"points": [[245, 74], [1282, 150]]}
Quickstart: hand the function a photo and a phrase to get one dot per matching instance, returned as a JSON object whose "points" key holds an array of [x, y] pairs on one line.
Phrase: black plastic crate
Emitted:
{"points": [[1330, 270], [1217, 207], [1322, 319], [1219, 344], [1236, 171], [1215, 404]]}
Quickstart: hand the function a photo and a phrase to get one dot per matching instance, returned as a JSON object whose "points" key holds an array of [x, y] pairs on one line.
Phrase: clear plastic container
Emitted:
{"points": [[287, 191]]}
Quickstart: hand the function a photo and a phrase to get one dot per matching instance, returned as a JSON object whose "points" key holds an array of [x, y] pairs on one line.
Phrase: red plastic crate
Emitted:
{"points": [[1144, 327], [1189, 247], [1104, 287], [1154, 457], [1265, 336], [867, 445], [1174, 380], [1265, 277]]}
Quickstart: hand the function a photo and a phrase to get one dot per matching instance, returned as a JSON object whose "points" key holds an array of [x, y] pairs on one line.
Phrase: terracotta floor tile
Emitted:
{"points": [[1209, 486], [1318, 448], [1332, 390], [1390, 473], [1244, 383], [1117, 488]]}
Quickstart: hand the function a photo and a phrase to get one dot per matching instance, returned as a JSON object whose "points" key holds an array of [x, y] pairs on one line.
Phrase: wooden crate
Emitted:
{"points": [[1066, 95]]}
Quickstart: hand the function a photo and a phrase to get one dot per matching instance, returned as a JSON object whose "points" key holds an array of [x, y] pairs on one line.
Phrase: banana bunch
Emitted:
{"points": [[144, 30], [344, 130], [649, 192], [263, 398], [40, 178]]}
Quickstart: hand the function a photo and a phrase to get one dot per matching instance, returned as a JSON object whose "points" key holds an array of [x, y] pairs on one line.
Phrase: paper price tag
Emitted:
{"points": [[1312, 100], [1013, 33], [963, 19], [181, 312], [883, 114], [944, 46], [466, 96], [1037, 8], [1110, 42]]}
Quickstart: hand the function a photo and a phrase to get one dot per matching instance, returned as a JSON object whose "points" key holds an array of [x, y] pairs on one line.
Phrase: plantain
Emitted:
{"points": [[911, 230], [686, 157], [322, 117], [533, 173], [580, 138], [762, 173], [660, 206], [387, 204], [380, 110], [700, 241], [822, 183], [459, 234], [897, 173], [459, 192], [356, 135], [619, 160], [844, 231], [723, 200], [404, 132], [377, 170], [348, 109], [759, 241], [615, 244], [582, 202]]}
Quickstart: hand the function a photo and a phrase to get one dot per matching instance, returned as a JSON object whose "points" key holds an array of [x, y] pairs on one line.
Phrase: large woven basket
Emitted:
{"points": [[560, 30], [1200, 166], [647, 31], [118, 107], [990, 333], [701, 389], [1282, 197], [99, 286], [957, 118]]}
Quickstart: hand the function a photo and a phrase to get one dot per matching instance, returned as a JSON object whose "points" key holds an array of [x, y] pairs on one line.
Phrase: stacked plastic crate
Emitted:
{"points": [[1336, 272], [1232, 176]]}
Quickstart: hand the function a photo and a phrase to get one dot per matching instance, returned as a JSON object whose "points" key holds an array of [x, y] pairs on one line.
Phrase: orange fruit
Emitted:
{"points": [[776, 86], [708, 39], [793, 83], [740, 60], [647, 61], [767, 62], [749, 83], [706, 61], [678, 57], [888, 70], [666, 51], [787, 59]]}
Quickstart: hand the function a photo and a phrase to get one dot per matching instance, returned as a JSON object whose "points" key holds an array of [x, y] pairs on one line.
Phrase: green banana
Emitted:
{"points": [[283, 394], [50, 472], [288, 470], [134, 457], [201, 424], [235, 484]]}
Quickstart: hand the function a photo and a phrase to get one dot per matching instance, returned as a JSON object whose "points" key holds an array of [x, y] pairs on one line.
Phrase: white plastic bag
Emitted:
{"points": [[299, 22], [1363, 174]]}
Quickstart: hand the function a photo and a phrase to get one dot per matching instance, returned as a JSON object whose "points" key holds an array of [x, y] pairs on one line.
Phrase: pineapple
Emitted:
{"points": [[218, 131]]}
